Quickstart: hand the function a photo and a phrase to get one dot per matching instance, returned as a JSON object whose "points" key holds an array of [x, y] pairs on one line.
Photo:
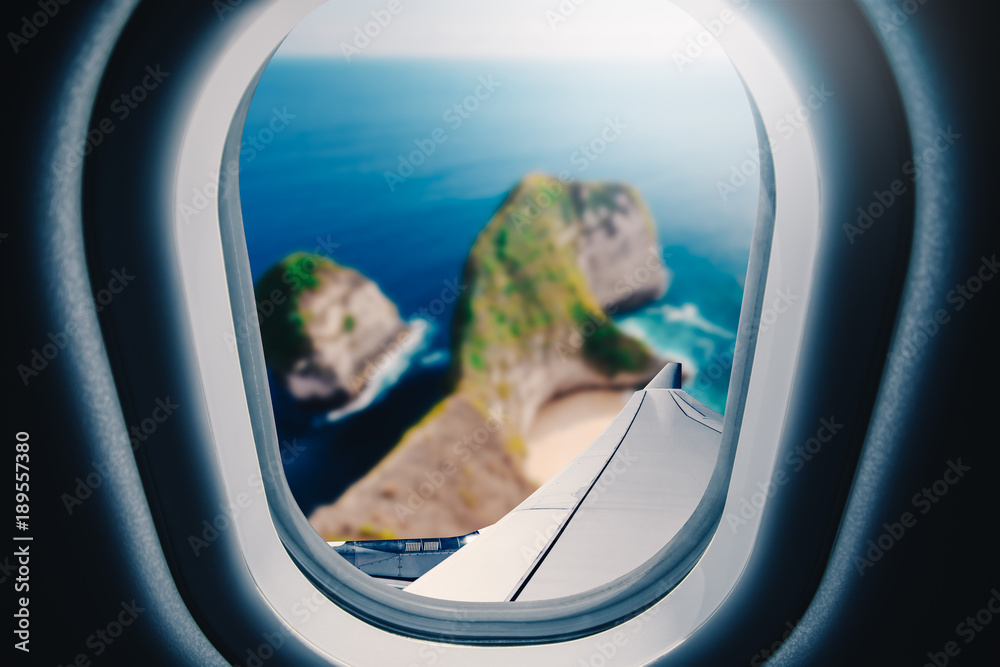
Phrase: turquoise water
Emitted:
{"points": [[322, 134]]}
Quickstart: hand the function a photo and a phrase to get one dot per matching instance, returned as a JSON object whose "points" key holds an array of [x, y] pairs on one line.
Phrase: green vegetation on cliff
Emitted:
{"points": [[525, 291], [282, 326], [530, 325]]}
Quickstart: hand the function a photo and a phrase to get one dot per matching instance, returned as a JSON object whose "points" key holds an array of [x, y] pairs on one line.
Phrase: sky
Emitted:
{"points": [[498, 29]]}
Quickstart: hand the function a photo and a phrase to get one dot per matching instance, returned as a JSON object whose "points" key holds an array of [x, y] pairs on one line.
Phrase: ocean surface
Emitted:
{"points": [[321, 136]]}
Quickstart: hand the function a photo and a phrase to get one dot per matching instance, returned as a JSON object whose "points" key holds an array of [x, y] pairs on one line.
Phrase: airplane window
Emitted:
{"points": [[474, 232]]}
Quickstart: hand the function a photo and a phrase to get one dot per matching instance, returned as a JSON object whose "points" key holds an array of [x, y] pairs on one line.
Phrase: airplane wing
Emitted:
{"points": [[607, 512]]}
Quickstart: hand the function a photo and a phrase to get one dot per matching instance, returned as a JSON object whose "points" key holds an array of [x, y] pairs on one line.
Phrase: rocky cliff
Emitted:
{"points": [[532, 324], [322, 324]]}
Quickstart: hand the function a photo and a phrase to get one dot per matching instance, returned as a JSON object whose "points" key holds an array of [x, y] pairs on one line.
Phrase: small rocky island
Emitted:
{"points": [[532, 325], [328, 323]]}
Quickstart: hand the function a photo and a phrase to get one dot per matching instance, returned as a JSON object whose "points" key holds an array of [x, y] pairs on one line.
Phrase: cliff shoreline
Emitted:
{"points": [[531, 331]]}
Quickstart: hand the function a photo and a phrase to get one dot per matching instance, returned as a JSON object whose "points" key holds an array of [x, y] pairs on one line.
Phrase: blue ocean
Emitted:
{"points": [[323, 135]]}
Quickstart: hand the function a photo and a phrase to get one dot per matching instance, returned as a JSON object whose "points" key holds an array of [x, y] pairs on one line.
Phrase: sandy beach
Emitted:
{"points": [[566, 426]]}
